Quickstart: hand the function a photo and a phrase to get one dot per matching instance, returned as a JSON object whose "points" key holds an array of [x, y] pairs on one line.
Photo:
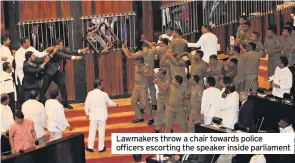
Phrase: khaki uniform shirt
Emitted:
{"points": [[139, 78], [175, 97], [198, 68], [148, 56], [287, 43], [178, 46], [241, 64], [272, 43], [229, 71], [216, 68], [252, 62], [176, 70], [163, 94], [161, 51], [196, 97]]}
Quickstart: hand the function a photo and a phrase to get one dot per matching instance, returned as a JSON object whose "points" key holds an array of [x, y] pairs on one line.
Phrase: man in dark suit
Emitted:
{"points": [[55, 71], [246, 115], [32, 73]]}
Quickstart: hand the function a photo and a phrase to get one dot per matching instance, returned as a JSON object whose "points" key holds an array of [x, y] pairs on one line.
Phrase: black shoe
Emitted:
{"points": [[88, 149], [104, 149], [172, 131], [154, 107], [137, 120], [150, 122], [68, 106], [156, 131]]}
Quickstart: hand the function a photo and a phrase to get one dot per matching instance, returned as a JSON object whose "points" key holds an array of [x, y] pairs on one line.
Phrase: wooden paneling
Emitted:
{"points": [[220, 34], [86, 8], [2, 19], [66, 8], [107, 7], [130, 74], [147, 15], [90, 76], [69, 80], [256, 25], [110, 71], [287, 15], [35, 10]]}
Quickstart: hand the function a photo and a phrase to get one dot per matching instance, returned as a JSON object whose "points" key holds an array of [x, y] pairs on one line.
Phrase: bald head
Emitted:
{"points": [[243, 96]]}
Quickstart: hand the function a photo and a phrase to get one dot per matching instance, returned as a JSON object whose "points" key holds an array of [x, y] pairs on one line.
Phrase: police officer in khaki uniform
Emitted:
{"points": [[255, 39], [243, 34], [162, 50], [273, 49], [177, 93], [140, 92], [196, 99], [230, 68], [148, 54], [252, 67], [242, 20], [198, 65], [162, 82], [290, 25], [178, 44], [239, 79], [214, 69], [177, 67], [288, 44]]}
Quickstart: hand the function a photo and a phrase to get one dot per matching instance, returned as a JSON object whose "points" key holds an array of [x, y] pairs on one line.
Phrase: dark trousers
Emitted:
{"points": [[5, 145], [59, 79], [20, 96], [12, 102]]}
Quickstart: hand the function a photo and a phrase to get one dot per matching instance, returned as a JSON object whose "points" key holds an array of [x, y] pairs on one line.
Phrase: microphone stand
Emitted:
{"points": [[290, 56], [260, 124]]}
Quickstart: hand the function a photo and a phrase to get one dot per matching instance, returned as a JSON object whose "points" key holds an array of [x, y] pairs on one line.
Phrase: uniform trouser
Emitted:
{"points": [[11, 102], [152, 90], [140, 91], [272, 64], [180, 118], [239, 82], [251, 78], [55, 135], [42, 140], [194, 114], [92, 132], [161, 104], [59, 79]]}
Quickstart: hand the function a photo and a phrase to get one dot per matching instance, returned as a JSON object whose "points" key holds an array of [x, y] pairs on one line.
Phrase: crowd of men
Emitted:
{"points": [[197, 89], [24, 105]]}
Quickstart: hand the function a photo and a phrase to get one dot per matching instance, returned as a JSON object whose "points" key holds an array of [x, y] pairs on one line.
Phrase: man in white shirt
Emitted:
{"points": [[56, 119], [282, 80], [210, 105], [5, 114], [7, 84], [35, 111], [5, 53], [167, 35], [208, 43], [97, 112], [19, 61], [6, 118]]}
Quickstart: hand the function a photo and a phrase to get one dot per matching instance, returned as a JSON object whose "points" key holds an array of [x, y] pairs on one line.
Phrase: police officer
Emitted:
{"points": [[162, 82], [273, 49], [177, 93]]}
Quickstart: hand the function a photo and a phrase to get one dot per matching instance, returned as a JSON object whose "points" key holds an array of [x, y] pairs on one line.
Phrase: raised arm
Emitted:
{"points": [[128, 54]]}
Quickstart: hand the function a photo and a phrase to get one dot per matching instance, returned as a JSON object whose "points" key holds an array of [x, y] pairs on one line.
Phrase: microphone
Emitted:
{"points": [[207, 115], [290, 56]]}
